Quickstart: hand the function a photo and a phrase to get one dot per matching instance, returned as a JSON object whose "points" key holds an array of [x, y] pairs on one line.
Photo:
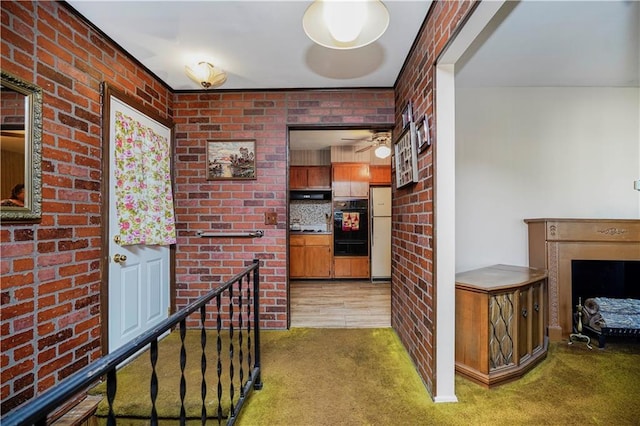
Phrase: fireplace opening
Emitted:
{"points": [[605, 278]]}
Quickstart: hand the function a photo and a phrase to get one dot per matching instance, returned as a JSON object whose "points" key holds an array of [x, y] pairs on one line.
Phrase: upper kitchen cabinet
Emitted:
{"points": [[351, 180], [380, 175], [310, 177]]}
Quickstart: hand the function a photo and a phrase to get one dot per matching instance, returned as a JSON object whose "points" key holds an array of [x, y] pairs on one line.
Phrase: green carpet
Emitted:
{"points": [[317, 377]]}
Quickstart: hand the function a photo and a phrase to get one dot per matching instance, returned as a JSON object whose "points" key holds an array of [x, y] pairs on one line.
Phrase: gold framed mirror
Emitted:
{"points": [[21, 150]]}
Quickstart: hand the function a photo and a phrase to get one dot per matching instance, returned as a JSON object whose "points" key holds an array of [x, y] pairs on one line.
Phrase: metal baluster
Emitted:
{"points": [[219, 366], [256, 318], [112, 386], [183, 363], [154, 381], [240, 325], [249, 323], [231, 353], [203, 364]]}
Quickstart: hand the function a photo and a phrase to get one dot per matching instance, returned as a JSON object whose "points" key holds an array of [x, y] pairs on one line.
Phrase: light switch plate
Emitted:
{"points": [[271, 218]]}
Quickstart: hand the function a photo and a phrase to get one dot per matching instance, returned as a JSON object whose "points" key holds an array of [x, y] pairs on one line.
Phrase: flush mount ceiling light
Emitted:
{"points": [[338, 24], [206, 75], [382, 151]]}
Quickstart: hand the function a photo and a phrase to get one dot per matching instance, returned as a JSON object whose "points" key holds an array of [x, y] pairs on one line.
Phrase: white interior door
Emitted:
{"points": [[138, 274]]}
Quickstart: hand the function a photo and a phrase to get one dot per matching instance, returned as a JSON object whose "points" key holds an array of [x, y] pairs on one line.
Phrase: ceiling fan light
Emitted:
{"points": [[382, 151], [206, 75], [374, 17]]}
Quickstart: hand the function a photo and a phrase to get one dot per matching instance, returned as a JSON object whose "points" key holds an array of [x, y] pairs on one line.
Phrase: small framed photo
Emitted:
{"points": [[407, 115], [406, 158], [231, 159], [423, 134]]}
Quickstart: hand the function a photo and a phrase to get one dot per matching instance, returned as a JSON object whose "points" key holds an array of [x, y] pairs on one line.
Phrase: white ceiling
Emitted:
{"points": [[557, 43], [261, 45]]}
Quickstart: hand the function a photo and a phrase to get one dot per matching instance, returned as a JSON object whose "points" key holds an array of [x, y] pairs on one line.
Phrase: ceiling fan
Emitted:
{"points": [[377, 139]]}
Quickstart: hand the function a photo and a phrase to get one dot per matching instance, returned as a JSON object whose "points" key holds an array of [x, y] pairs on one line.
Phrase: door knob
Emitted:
{"points": [[119, 258]]}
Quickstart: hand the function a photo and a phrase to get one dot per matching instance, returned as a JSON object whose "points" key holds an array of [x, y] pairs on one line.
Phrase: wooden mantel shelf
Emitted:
{"points": [[590, 229], [555, 242]]}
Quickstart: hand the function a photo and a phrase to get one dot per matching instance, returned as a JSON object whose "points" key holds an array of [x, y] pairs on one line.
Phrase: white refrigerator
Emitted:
{"points": [[380, 199]]}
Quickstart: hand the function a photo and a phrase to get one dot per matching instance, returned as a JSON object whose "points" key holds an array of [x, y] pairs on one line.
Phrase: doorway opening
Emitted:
{"points": [[331, 174]]}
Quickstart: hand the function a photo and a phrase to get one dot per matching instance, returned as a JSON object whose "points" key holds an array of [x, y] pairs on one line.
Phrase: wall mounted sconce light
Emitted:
{"points": [[206, 75], [339, 24]]}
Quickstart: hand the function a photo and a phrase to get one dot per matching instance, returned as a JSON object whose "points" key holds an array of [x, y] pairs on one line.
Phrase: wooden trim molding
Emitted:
{"points": [[554, 243]]}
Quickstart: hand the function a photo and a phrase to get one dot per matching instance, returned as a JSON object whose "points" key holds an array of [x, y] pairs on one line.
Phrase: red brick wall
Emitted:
{"points": [[203, 205], [50, 324], [412, 298], [51, 271]]}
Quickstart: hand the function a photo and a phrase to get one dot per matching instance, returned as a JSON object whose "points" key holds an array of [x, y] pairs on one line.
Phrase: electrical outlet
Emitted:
{"points": [[271, 218]]}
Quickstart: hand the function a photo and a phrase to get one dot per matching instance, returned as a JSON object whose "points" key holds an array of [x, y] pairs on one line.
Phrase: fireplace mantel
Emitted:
{"points": [[554, 243]]}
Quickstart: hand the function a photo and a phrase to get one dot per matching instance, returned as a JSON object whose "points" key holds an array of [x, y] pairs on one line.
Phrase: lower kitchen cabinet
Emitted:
{"points": [[500, 323], [310, 256], [351, 267]]}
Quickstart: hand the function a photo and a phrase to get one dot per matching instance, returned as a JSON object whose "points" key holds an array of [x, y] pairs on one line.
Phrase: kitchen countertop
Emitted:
{"points": [[310, 232]]}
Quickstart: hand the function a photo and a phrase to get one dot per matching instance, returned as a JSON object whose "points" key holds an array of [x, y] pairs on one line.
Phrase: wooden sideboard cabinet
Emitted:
{"points": [[500, 322]]}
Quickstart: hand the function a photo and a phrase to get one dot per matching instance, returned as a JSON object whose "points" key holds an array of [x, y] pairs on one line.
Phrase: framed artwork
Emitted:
{"points": [[407, 115], [406, 157], [423, 135], [21, 143], [231, 159]]}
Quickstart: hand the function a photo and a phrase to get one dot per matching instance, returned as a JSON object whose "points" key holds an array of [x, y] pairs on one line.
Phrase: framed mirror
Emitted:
{"points": [[21, 150]]}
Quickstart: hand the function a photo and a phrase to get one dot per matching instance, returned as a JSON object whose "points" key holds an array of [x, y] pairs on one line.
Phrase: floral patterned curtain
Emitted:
{"points": [[144, 200]]}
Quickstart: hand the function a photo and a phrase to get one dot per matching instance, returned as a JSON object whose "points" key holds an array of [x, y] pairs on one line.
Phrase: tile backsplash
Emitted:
{"points": [[310, 212]]}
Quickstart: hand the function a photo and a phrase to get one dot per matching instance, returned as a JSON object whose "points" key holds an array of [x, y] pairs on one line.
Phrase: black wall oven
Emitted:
{"points": [[351, 227]]}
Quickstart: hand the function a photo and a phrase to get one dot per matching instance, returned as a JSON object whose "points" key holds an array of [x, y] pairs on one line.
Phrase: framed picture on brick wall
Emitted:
{"points": [[231, 159], [423, 135], [407, 115], [406, 157]]}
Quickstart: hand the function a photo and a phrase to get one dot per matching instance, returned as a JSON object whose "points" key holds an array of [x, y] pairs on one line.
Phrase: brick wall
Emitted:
{"points": [[412, 298], [203, 205], [50, 324]]}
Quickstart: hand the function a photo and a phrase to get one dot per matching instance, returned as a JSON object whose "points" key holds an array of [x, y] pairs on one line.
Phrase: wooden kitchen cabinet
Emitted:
{"points": [[380, 175], [351, 267], [500, 323], [310, 177], [350, 180], [310, 256]]}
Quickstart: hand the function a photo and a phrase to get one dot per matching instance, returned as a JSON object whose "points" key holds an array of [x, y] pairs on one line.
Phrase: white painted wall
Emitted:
{"points": [[540, 152]]}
